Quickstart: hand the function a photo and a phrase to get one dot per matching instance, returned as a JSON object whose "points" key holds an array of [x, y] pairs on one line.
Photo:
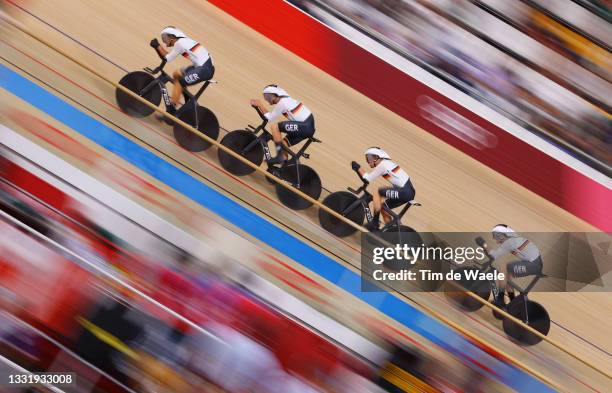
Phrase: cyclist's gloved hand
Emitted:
{"points": [[355, 165], [154, 43]]}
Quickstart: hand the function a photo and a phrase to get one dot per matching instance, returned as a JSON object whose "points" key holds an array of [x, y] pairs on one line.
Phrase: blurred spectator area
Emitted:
{"points": [[57, 313], [543, 63]]}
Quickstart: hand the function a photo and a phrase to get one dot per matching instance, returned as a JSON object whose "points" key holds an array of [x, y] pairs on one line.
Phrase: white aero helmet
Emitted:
{"points": [[502, 229], [171, 30], [274, 89], [378, 152]]}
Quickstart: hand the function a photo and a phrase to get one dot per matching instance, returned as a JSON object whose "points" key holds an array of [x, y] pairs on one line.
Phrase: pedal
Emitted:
{"points": [[274, 171], [306, 155], [278, 160], [315, 140], [372, 227], [165, 119]]}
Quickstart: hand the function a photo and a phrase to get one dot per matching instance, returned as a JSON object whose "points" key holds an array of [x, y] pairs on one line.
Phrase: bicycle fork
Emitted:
{"points": [[166, 96], [267, 153], [368, 212], [494, 288]]}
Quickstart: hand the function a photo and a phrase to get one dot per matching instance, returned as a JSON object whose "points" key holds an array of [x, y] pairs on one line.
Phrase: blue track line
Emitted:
{"points": [[264, 231]]}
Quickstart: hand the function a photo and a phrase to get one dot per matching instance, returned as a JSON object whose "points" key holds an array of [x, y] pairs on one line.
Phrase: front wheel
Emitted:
{"points": [[136, 81], [340, 202], [399, 234], [403, 235], [238, 141], [206, 122], [303, 178], [531, 313]]}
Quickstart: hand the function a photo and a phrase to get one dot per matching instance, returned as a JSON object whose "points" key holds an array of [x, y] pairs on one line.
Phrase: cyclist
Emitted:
{"points": [[298, 126], [401, 192], [202, 68], [528, 264]]}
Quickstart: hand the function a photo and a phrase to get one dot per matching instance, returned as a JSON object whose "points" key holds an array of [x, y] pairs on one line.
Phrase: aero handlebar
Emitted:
{"points": [[363, 186], [263, 117], [160, 67]]}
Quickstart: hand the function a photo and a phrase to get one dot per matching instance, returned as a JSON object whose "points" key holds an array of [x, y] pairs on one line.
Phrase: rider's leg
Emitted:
{"points": [[518, 269], [276, 135], [177, 90], [393, 198], [377, 201], [376, 208], [500, 300], [502, 284], [386, 218], [174, 98], [287, 145], [277, 138], [296, 131]]}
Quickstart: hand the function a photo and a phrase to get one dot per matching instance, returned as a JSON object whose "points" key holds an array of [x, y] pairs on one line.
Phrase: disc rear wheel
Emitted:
{"points": [[531, 313], [207, 124], [305, 179]]}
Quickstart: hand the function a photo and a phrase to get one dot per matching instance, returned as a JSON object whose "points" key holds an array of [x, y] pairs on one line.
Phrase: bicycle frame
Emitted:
{"points": [[161, 81], [493, 284], [368, 212], [365, 200], [395, 218], [262, 139], [488, 267], [362, 201]]}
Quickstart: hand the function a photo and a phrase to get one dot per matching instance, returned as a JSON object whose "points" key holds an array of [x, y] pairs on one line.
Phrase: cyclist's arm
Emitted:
{"points": [[177, 49], [373, 174], [162, 51], [257, 103], [276, 112], [502, 250]]}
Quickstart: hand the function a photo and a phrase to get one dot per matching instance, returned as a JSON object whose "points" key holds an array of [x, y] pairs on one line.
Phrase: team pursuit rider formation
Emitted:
{"points": [[356, 205]]}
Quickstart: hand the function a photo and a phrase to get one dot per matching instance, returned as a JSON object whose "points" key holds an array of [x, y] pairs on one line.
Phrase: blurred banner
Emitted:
{"points": [[437, 108]]}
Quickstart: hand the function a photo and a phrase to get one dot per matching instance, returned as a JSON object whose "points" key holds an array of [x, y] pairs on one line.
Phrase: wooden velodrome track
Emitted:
{"points": [[458, 193]]}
